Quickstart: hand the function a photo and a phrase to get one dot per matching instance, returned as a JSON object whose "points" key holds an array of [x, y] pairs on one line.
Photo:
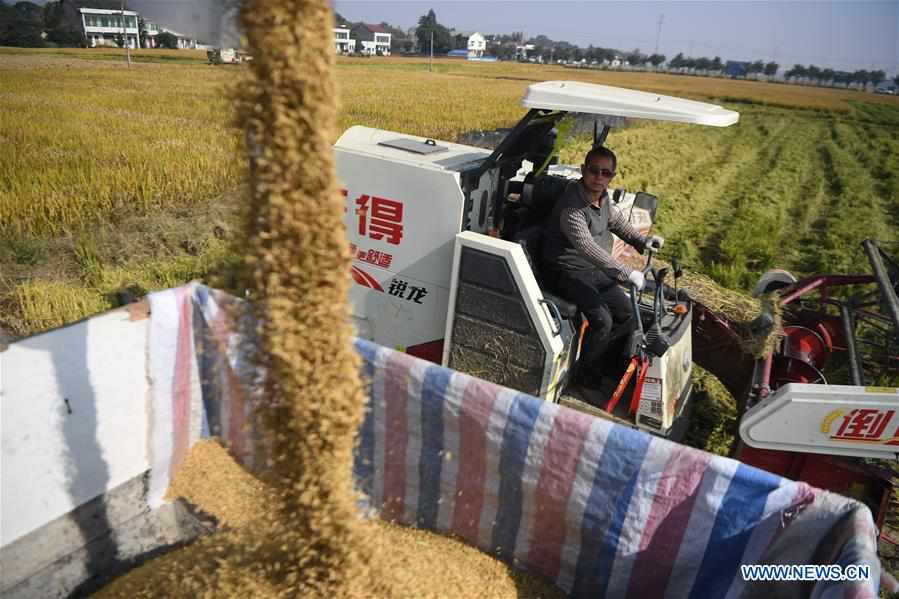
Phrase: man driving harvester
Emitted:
{"points": [[577, 260]]}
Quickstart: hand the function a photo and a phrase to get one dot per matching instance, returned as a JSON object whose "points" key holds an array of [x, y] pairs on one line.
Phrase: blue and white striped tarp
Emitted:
{"points": [[600, 509]]}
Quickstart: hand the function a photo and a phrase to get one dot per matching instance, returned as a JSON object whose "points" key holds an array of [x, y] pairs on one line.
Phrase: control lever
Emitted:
{"points": [[646, 270], [659, 277], [678, 273]]}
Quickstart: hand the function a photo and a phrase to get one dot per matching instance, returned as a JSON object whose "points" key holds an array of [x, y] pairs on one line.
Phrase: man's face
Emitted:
{"points": [[597, 174]]}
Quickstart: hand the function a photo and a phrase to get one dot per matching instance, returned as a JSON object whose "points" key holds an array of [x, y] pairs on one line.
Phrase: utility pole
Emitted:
{"points": [[431, 57], [659, 33], [125, 36]]}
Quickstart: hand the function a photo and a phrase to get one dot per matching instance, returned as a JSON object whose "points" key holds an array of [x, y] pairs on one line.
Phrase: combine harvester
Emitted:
{"points": [[447, 242], [97, 416]]}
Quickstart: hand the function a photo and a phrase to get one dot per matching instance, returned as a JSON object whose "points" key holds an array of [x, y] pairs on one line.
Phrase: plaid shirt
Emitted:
{"points": [[573, 223]]}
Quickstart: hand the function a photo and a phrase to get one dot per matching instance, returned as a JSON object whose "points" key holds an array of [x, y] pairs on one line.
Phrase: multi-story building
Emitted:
{"points": [[343, 43], [104, 27], [148, 33], [373, 39]]}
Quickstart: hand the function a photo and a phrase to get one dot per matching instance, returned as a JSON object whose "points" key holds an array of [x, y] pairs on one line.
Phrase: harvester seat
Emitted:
{"points": [[530, 239]]}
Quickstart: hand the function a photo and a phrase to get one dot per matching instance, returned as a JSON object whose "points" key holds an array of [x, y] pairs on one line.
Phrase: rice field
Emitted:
{"points": [[116, 178]]}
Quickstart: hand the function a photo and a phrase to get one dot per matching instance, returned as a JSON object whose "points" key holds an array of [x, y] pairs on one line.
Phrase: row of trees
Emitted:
{"points": [[715, 64], [21, 24], [505, 47], [816, 73], [28, 25]]}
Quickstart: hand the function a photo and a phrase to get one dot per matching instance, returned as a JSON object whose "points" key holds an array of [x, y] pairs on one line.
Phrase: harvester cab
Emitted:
{"points": [[446, 243]]}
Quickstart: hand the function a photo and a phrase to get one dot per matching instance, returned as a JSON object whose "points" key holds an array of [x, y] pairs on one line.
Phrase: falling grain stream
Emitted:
{"points": [[297, 531]]}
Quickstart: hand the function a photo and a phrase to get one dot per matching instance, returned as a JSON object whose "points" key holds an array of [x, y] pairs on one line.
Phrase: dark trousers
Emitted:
{"points": [[606, 306]]}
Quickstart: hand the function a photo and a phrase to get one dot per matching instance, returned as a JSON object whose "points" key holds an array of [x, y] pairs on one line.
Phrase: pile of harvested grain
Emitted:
{"points": [[427, 565], [211, 480], [310, 542]]}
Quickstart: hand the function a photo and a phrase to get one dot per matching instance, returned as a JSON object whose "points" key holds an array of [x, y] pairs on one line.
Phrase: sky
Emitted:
{"points": [[844, 35]]}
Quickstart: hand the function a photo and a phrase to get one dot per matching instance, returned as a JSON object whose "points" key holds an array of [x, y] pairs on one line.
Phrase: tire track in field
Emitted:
{"points": [[750, 159], [744, 243], [807, 204], [880, 160], [872, 184], [811, 258], [852, 210], [692, 191]]}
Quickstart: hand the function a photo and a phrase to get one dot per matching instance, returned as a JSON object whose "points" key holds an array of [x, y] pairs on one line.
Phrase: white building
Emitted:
{"points": [[477, 45], [102, 27], [521, 52], [374, 39], [151, 30], [343, 43]]}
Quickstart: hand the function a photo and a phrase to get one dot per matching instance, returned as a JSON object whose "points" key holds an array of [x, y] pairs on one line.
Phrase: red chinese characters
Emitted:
{"points": [[864, 425], [382, 259], [380, 218]]}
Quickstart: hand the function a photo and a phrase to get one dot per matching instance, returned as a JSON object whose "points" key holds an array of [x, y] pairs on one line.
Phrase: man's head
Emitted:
{"points": [[598, 169]]}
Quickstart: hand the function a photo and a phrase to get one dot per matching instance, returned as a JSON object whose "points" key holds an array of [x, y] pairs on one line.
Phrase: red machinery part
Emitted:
{"points": [[431, 351], [804, 353]]}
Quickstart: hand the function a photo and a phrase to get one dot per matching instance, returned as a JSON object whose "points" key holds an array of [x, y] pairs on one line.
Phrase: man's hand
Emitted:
{"points": [[654, 243], [636, 279]]}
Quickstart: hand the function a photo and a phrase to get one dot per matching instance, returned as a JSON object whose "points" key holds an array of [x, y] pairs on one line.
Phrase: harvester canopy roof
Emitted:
{"points": [[575, 96]]}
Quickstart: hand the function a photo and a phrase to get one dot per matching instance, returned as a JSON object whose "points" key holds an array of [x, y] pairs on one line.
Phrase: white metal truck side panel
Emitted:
{"points": [[401, 265], [829, 419], [58, 455]]}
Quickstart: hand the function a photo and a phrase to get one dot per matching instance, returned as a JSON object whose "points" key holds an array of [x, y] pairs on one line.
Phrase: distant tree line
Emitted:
{"points": [[715, 64], [21, 25], [505, 47], [862, 76]]}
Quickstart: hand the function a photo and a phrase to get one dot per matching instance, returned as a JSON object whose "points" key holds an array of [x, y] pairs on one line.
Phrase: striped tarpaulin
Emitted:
{"points": [[200, 381], [600, 509]]}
